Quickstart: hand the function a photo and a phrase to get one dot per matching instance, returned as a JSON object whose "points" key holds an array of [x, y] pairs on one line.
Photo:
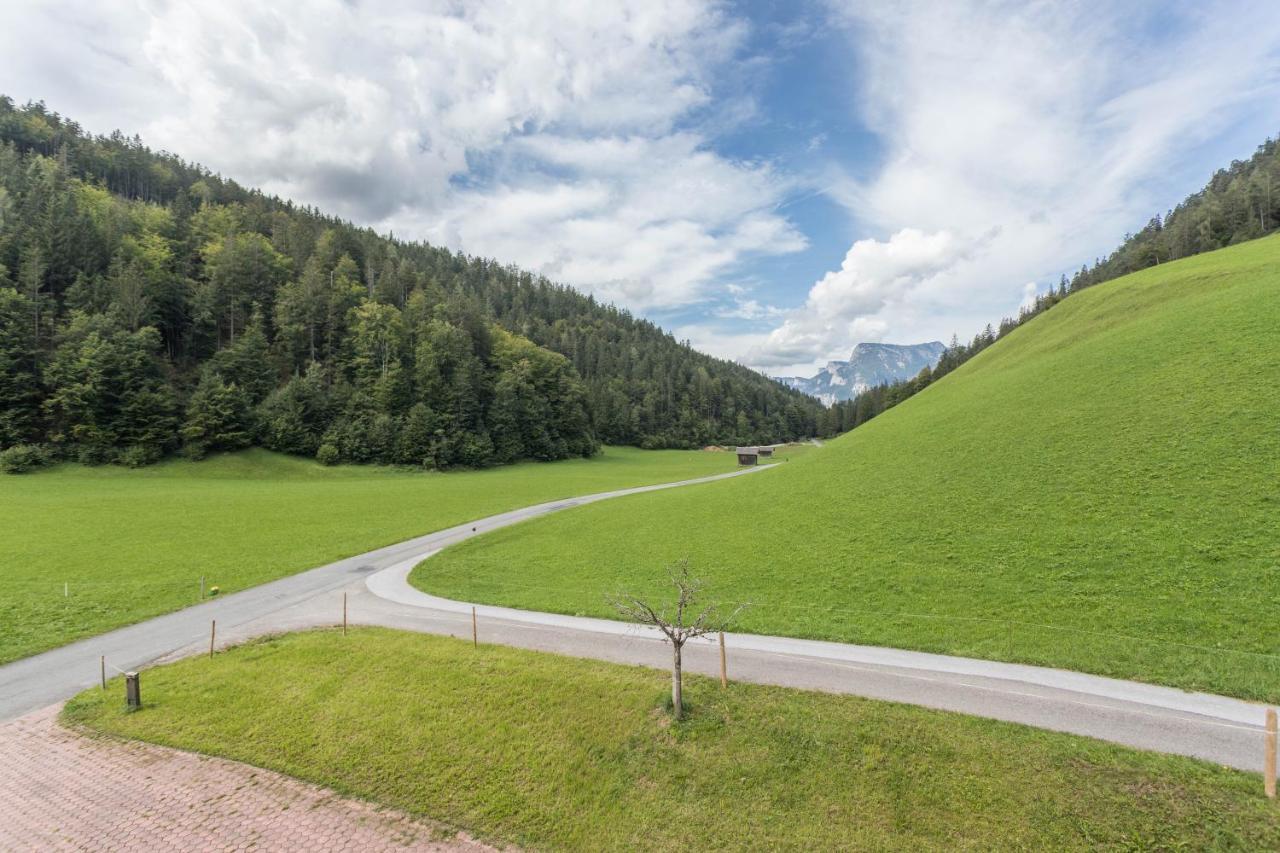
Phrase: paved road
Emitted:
{"points": [[1219, 729]]}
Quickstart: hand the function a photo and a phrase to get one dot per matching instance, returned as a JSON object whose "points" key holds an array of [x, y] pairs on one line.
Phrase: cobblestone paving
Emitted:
{"points": [[60, 790]]}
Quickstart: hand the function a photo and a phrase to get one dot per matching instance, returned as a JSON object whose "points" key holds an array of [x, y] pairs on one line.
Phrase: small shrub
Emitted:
{"points": [[327, 455], [22, 458], [195, 450], [93, 454], [138, 455]]}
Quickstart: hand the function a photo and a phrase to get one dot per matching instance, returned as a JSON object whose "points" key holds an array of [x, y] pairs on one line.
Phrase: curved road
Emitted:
{"points": [[1220, 729]]}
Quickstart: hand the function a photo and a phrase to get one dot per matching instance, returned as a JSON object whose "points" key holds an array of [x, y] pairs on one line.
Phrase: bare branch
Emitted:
{"points": [[710, 621], [639, 611], [688, 593]]}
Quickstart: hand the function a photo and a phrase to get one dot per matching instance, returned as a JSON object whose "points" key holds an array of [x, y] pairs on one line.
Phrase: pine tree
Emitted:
{"points": [[219, 417], [19, 384]]}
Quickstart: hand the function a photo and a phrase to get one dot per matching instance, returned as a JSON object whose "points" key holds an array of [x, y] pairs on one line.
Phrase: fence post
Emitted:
{"points": [[344, 614], [202, 587], [104, 672], [1269, 762], [213, 633], [132, 691], [724, 673], [475, 635]]}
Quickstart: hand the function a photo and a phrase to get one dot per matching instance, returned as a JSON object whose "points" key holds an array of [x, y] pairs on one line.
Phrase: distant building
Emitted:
{"points": [[764, 451], [748, 455]]}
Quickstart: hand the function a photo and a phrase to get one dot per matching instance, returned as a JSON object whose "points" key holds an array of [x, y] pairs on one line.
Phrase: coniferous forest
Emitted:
{"points": [[149, 306]]}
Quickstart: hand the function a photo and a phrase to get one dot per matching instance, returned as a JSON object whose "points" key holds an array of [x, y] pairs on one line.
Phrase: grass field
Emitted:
{"points": [[133, 544], [552, 752], [1100, 491]]}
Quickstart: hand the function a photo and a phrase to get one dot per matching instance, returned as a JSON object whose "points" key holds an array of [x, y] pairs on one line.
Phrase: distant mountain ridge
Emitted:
{"points": [[869, 365]]}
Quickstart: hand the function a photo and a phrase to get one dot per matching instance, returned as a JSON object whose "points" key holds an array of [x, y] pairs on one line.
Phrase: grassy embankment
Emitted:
{"points": [[134, 544], [551, 752], [1099, 491]]}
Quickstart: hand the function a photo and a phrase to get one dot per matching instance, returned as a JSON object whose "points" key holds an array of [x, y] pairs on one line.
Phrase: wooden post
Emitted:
{"points": [[132, 691], [475, 635], [213, 633], [344, 614], [104, 672], [202, 587], [724, 673], [1269, 762]]}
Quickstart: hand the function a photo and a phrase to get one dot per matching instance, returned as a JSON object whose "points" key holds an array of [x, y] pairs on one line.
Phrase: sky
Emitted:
{"points": [[773, 181]]}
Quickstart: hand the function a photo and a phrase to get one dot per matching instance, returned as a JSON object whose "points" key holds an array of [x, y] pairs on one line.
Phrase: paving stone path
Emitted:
{"points": [[60, 790]]}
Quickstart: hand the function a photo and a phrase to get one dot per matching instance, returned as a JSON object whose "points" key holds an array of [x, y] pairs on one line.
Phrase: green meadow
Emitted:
{"points": [[550, 752], [85, 550], [1100, 491]]}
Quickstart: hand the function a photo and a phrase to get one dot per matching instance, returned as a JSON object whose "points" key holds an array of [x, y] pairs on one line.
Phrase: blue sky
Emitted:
{"points": [[773, 181]]}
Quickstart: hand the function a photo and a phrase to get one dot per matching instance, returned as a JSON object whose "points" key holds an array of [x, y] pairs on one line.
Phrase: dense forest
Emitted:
{"points": [[149, 306], [1241, 202]]}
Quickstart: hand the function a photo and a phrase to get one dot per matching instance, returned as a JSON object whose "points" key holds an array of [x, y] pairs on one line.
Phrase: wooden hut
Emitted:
{"points": [[764, 452], [748, 455]]}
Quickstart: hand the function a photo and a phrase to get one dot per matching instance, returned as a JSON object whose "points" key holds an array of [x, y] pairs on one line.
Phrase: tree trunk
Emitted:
{"points": [[677, 695]]}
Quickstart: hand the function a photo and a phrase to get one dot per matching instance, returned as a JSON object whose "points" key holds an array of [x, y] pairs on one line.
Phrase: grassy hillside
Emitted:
{"points": [[133, 544], [485, 740], [1099, 490]]}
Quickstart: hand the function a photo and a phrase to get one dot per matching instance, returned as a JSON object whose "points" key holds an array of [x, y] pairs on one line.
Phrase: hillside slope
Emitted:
{"points": [[1098, 490]]}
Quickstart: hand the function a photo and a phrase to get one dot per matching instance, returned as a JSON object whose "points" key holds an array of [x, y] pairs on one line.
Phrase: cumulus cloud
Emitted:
{"points": [[647, 222], [561, 135], [1038, 134], [1029, 293], [309, 95], [842, 305]]}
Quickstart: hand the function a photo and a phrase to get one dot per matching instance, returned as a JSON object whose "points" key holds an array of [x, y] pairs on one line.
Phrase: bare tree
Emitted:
{"points": [[683, 625]]}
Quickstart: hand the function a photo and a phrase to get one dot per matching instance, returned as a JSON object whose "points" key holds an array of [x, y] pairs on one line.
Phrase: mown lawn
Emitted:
{"points": [[134, 544], [550, 752], [1099, 491]]}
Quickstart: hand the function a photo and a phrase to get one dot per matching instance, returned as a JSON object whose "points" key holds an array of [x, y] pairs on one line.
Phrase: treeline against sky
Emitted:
{"points": [[148, 306]]}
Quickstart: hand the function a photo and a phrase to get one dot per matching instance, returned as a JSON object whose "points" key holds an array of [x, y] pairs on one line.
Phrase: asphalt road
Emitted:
{"points": [[1219, 729]]}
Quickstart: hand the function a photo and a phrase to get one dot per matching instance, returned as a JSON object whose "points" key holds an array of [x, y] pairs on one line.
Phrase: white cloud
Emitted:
{"points": [[1035, 134], [716, 339], [1029, 291], [410, 90], [555, 134], [649, 222], [748, 309], [842, 306]]}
